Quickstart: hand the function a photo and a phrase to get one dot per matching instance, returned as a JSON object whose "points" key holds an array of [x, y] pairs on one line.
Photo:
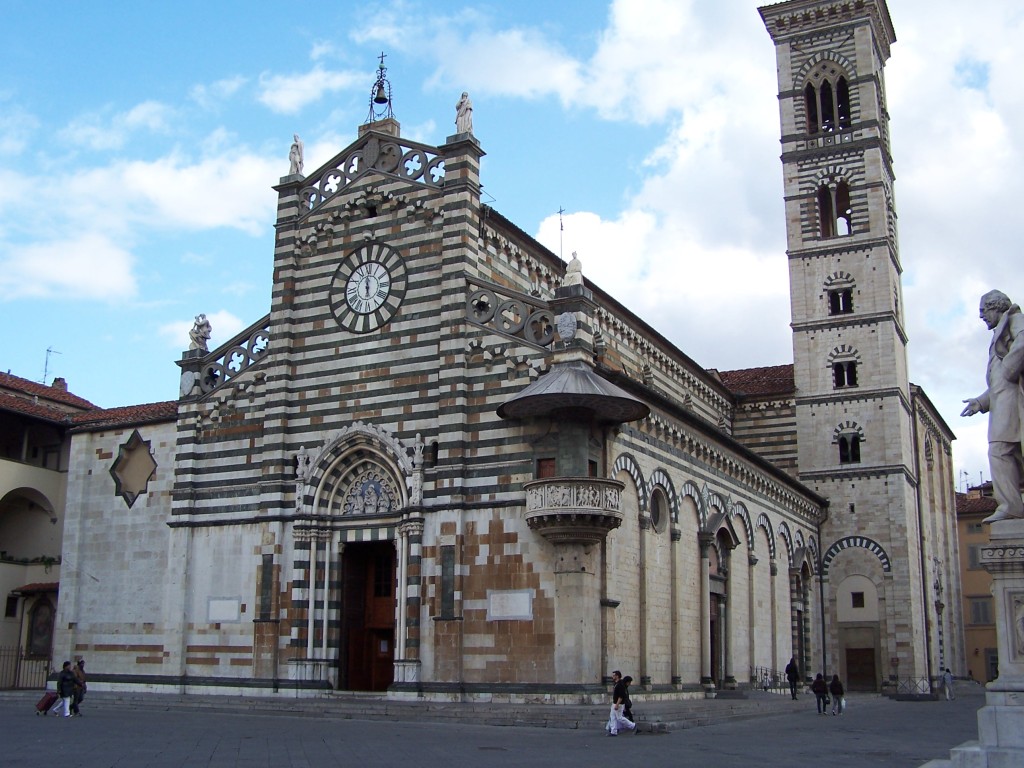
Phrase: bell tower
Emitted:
{"points": [[855, 430]]}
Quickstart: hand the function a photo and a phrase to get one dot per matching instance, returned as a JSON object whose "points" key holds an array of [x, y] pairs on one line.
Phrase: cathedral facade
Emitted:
{"points": [[447, 465]]}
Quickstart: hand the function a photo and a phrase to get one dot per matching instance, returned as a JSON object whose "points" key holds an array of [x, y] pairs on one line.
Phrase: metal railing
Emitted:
{"points": [[768, 679], [909, 686], [20, 671]]}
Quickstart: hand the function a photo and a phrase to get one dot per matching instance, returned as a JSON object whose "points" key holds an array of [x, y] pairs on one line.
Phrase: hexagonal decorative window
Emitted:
{"points": [[133, 468]]}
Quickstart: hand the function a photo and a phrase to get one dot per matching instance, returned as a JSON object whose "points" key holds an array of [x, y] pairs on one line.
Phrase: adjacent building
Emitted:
{"points": [[35, 447], [980, 637]]}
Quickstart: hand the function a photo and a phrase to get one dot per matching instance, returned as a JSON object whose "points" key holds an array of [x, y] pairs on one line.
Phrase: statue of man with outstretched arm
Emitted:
{"points": [[1003, 401]]}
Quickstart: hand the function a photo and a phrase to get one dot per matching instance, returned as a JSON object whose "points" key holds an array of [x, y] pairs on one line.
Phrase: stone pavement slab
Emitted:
{"points": [[196, 731]]}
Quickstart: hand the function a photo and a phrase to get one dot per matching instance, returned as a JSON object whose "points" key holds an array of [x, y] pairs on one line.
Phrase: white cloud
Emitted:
{"points": [[675, 283], [467, 53], [88, 266], [654, 60], [481, 63], [226, 191], [10, 196], [191, 258], [422, 132], [216, 93], [229, 190], [16, 128], [323, 49], [109, 208], [98, 131], [287, 94]]}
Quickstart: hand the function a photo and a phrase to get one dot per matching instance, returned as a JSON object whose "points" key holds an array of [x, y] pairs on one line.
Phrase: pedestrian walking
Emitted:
{"points": [[820, 689], [947, 685], [835, 688], [620, 695], [80, 688], [627, 703], [793, 675], [65, 689]]}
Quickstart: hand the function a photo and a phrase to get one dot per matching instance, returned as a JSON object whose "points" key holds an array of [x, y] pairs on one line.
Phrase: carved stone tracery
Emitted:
{"points": [[406, 160]]}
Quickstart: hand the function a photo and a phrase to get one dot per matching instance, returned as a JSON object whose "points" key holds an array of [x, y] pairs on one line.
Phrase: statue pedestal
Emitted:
{"points": [[1000, 741]]}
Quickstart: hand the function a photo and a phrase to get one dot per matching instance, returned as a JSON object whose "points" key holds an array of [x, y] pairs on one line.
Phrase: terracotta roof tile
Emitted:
{"points": [[103, 418], [35, 389], [768, 380], [975, 505], [30, 407], [37, 587]]}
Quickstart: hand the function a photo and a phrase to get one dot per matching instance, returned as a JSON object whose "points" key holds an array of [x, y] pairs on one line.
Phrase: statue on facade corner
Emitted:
{"points": [[295, 158], [573, 271], [464, 114], [1003, 401], [200, 334]]}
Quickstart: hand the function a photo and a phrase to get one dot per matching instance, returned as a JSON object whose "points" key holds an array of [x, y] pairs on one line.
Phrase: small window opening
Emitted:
{"points": [[840, 301], [845, 374], [592, 468], [849, 449], [857, 599], [371, 211], [11, 609]]}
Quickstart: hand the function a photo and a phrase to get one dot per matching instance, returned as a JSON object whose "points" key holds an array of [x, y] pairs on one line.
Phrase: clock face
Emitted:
{"points": [[368, 287]]}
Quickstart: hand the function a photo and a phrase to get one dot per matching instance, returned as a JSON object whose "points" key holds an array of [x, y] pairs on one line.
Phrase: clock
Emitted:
{"points": [[368, 287]]}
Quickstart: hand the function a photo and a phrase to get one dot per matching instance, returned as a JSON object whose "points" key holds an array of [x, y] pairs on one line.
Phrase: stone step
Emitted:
{"points": [[652, 716]]}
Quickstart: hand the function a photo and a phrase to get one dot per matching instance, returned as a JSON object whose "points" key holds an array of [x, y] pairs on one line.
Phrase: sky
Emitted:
{"points": [[139, 143]]}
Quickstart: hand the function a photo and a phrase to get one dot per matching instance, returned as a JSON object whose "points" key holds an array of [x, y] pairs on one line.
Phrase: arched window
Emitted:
{"points": [[840, 301], [844, 373], [835, 215], [849, 448], [827, 101], [826, 105], [811, 102], [842, 104]]}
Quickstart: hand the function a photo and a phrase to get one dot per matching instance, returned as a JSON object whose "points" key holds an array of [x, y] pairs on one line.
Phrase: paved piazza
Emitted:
{"points": [[874, 732]]}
